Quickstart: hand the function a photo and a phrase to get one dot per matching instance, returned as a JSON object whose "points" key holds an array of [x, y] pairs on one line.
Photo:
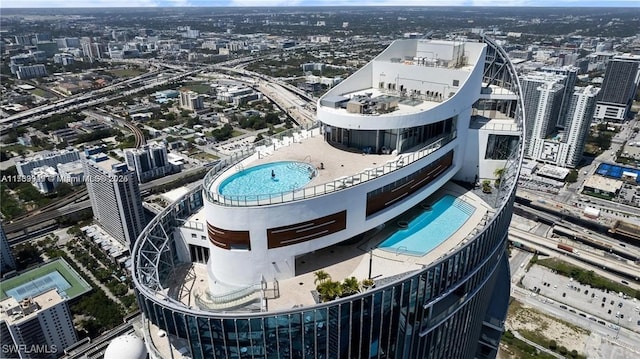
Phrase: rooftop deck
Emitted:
{"points": [[338, 167], [406, 106], [190, 282]]}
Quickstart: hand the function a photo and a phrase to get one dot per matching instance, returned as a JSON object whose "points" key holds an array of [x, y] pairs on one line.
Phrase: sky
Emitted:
{"points": [[284, 3]]}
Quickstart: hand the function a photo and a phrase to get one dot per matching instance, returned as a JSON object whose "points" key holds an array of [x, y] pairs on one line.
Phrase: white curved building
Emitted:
{"points": [[385, 186]]}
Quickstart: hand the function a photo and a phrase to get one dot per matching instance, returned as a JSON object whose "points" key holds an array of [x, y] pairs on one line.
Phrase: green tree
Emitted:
{"points": [[350, 286], [329, 290], [572, 177], [321, 277], [499, 172]]}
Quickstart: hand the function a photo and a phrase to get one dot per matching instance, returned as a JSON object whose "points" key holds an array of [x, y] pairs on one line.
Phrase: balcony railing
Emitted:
{"points": [[317, 190], [232, 300]]}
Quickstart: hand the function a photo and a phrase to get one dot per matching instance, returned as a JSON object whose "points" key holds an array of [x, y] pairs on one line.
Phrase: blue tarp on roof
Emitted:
{"points": [[615, 171]]}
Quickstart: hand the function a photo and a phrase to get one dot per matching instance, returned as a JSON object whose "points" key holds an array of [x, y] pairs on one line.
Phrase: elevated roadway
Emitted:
{"points": [[621, 269], [88, 100], [78, 202]]}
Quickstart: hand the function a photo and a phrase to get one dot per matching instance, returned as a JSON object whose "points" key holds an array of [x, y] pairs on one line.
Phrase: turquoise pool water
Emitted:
{"points": [[430, 228], [262, 181]]}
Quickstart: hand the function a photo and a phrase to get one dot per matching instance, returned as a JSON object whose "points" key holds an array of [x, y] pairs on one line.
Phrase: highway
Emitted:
{"points": [[597, 260], [90, 99], [79, 201]]}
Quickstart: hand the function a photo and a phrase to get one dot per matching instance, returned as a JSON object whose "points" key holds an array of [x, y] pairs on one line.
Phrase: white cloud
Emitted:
{"points": [[180, 3], [279, 3], [77, 3], [248, 3]]}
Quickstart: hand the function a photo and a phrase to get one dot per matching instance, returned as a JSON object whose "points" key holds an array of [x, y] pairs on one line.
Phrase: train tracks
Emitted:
{"points": [[137, 132]]}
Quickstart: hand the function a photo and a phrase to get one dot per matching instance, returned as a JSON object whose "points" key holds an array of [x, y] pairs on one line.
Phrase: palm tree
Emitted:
{"points": [[368, 283], [350, 286], [498, 173], [321, 277], [329, 290]]}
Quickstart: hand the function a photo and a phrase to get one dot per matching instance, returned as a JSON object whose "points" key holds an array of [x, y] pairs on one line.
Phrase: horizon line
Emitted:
{"points": [[332, 6]]}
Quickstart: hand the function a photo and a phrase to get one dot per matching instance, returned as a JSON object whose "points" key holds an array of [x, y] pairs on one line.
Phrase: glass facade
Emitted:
{"points": [[428, 314], [440, 311]]}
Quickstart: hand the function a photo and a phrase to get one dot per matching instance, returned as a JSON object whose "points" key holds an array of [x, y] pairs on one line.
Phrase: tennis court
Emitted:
{"points": [[54, 274], [40, 285]]}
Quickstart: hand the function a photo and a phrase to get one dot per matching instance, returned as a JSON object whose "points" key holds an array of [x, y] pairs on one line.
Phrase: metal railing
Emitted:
{"points": [[235, 299], [320, 189]]}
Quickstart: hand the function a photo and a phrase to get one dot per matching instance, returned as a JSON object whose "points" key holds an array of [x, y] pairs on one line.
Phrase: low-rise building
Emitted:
{"points": [[603, 186]]}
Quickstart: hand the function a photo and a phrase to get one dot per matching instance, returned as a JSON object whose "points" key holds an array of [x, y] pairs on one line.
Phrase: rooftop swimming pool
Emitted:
{"points": [[263, 181], [430, 228]]}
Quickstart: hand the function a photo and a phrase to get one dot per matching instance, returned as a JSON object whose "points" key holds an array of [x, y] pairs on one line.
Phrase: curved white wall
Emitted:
{"points": [[462, 100], [229, 264], [280, 262]]}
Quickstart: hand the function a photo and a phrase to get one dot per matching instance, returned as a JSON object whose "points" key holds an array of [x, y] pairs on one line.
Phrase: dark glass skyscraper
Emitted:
{"points": [[230, 275]]}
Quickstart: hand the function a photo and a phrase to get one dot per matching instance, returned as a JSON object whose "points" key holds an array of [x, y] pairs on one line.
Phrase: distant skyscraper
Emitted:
{"points": [[115, 197], [91, 49], [542, 95], [43, 37], [619, 88], [7, 261], [22, 39], [565, 147], [30, 72], [149, 162], [569, 82], [41, 324], [191, 100], [579, 117]]}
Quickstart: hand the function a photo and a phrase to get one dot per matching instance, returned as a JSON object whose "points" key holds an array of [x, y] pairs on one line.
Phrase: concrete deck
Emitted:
{"points": [[344, 260]]}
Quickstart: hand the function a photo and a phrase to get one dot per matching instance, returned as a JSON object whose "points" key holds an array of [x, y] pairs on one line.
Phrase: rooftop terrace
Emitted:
{"points": [[38, 280], [338, 167], [190, 281]]}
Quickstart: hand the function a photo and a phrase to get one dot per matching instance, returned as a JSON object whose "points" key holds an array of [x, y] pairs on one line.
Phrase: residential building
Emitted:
{"points": [[47, 158], [191, 100], [71, 172], [7, 260], [579, 117], [45, 179], [115, 197], [30, 72], [49, 48], [227, 270], [565, 148], [149, 162], [542, 96], [621, 80], [36, 327], [570, 77]]}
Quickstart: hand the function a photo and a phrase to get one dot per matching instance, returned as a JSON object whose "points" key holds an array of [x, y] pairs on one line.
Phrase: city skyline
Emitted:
{"points": [[310, 3]]}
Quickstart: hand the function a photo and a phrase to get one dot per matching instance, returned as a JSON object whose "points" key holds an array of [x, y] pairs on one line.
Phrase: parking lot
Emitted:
{"points": [[608, 309]]}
